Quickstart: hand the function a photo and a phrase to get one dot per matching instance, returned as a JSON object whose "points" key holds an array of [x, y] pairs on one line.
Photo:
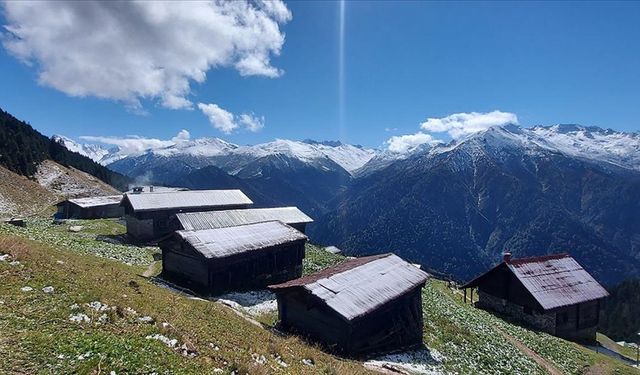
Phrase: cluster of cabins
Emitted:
{"points": [[212, 241]]}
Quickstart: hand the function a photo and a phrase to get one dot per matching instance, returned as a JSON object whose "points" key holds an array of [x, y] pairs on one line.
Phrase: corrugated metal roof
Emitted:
{"points": [[187, 199], [224, 242], [556, 280], [96, 201], [229, 218], [359, 286]]}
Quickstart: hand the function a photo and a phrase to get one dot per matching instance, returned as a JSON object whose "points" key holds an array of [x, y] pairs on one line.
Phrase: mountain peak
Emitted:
{"points": [[324, 143]]}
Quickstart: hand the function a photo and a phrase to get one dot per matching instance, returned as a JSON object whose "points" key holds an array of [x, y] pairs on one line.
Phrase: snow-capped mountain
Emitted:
{"points": [[94, 152], [347, 156], [532, 191], [593, 144], [203, 147]]}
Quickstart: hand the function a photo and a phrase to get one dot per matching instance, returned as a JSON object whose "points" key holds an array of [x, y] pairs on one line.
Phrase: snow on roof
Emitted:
{"points": [[187, 199], [225, 242], [358, 286], [229, 218], [556, 280], [553, 280], [95, 201]]}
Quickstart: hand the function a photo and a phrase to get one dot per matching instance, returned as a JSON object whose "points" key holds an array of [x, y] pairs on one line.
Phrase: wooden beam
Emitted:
{"points": [[465, 295]]}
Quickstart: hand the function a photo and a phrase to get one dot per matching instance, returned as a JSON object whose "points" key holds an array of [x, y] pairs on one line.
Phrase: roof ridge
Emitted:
{"points": [[539, 258], [339, 268]]}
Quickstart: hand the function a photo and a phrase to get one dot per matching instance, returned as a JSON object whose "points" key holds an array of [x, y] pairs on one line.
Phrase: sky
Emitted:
{"points": [[361, 72]]}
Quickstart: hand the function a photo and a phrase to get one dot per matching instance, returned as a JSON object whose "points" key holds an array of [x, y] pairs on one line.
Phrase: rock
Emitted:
{"points": [[75, 228], [26, 289], [79, 318], [5, 257], [146, 319], [15, 263], [16, 222], [308, 362], [48, 289]]}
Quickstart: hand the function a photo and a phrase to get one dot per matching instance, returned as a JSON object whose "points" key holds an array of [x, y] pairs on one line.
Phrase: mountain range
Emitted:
{"points": [[453, 207]]}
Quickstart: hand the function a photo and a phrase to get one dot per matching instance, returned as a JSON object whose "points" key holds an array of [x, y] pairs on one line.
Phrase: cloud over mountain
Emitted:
{"points": [[129, 51], [459, 125]]}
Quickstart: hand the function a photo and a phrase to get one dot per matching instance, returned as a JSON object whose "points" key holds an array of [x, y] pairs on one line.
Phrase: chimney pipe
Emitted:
{"points": [[506, 256]]}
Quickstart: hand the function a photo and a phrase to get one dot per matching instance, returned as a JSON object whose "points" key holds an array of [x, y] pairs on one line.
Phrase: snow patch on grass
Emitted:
{"points": [[414, 362], [255, 302]]}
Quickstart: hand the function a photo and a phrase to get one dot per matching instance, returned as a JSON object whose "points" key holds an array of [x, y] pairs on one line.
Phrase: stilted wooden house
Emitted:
{"points": [[291, 216], [90, 208], [361, 306], [212, 261], [147, 215], [551, 293]]}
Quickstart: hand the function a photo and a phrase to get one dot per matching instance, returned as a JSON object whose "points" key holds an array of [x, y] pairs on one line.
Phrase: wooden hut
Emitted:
{"points": [[212, 261], [291, 216], [361, 306], [147, 215], [90, 208], [551, 293]]}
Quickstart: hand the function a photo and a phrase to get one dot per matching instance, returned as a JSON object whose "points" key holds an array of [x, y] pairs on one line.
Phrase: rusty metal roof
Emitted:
{"points": [[556, 280], [553, 280], [358, 286], [186, 199], [225, 242], [229, 218]]}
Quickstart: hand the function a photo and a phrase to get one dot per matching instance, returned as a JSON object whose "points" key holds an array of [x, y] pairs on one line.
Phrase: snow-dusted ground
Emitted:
{"points": [[60, 180], [255, 302], [413, 362], [6, 205]]}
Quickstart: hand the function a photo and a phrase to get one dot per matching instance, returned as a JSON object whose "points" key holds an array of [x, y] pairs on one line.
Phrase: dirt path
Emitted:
{"points": [[150, 270], [551, 369]]}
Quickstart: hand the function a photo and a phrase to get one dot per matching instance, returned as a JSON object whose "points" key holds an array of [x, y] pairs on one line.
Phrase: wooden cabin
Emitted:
{"points": [[550, 293], [90, 208], [147, 215], [212, 261], [291, 216], [361, 306]]}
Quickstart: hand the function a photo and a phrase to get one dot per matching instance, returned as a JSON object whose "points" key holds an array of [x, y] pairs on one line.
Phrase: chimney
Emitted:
{"points": [[150, 189], [506, 256]]}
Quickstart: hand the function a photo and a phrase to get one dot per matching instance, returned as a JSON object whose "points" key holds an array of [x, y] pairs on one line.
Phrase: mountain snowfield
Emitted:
{"points": [[347, 156], [590, 143]]}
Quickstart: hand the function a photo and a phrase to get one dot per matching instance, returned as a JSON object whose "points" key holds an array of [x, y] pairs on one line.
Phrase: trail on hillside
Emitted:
{"points": [[551, 369]]}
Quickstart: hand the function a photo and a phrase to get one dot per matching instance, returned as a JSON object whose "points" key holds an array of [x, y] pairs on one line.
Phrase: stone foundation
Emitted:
{"points": [[545, 322]]}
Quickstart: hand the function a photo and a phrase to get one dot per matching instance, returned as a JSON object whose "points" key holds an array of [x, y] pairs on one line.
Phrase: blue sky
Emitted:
{"points": [[404, 62]]}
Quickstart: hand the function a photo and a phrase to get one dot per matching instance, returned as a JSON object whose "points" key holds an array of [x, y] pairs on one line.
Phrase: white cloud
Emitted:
{"points": [[251, 122], [221, 119], [137, 145], [460, 124], [182, 136], [133, 50], [406, 143], [227, 122]]}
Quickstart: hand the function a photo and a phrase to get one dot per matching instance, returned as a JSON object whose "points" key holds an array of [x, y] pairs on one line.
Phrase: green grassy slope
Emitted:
{"points": [[37, 335]]}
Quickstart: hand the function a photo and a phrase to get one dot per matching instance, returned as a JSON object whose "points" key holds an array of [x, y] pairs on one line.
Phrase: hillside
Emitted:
{"points": [[20, 196], [23, 149], [100, 315], [70, 182], [622, 312]]}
